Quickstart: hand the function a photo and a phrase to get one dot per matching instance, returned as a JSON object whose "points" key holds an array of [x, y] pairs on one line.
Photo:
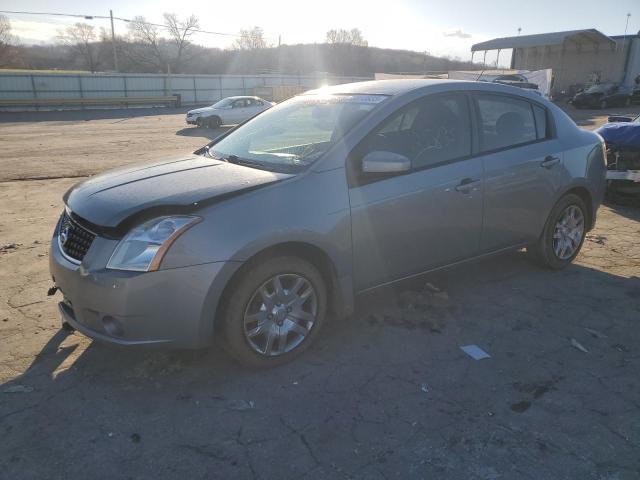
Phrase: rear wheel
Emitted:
{"points": [[563, 234], [274, 312]]}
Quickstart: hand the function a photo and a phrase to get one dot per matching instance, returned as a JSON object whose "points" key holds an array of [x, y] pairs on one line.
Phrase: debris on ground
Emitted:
{"points": [[18, 389], [475, 352], [599, 239], [9, 247], [424, 387], [578, 345], [620, 348], [425, 309], [240, 405], [135, 438], [595, 333], [521, 406]]}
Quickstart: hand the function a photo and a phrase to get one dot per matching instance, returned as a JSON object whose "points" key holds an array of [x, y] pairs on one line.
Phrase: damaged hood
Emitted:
{"points": [[110, 198]]}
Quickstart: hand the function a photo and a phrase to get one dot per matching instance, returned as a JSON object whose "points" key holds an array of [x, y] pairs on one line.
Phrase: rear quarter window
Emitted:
{"points": [[542, 122]]}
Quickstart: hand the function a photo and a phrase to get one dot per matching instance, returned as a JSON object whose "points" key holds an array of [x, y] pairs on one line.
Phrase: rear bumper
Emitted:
{"points": [[173, 307]]}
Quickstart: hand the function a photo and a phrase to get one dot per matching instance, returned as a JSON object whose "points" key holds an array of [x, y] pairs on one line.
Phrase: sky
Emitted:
{"points": [[439, 27]]}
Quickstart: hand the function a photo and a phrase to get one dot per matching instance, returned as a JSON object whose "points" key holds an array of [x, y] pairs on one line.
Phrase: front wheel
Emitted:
{"points": [[563, 234], [274, 312], [214, 122]]}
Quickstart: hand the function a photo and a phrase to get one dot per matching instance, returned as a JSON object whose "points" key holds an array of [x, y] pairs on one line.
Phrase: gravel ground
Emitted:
{"points": [[385, 394]]}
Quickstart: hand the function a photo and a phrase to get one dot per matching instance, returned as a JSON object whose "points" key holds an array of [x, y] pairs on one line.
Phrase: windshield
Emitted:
{"points": [[599, 88], [295, 133], [223, 103]]}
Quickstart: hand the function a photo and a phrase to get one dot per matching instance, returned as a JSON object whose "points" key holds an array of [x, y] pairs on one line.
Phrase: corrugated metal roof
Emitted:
{"points": [[590, 35]]}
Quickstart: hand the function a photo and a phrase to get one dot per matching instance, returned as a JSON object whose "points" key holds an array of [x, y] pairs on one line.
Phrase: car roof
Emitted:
{"points": [[380, 87], [398, 87], [241, 97], [401, 87]]}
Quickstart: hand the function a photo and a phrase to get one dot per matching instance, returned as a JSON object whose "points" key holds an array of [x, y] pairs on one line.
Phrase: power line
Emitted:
{"points": [[126, 20]]}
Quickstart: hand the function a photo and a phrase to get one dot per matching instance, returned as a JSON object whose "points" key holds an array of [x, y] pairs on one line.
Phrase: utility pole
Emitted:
{"points": [[624, 41], [279, 40], [113, 42]]}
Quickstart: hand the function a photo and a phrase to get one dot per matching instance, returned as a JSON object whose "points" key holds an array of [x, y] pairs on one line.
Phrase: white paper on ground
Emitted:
{"points": [[475, 352]]}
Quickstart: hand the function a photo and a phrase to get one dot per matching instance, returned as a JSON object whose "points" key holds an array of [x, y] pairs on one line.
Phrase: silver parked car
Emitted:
{"points": [[262, 234], [228, 111]]}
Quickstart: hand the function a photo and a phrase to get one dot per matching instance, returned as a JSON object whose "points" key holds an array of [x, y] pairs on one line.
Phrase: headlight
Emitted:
{"points": [[144, 247]]}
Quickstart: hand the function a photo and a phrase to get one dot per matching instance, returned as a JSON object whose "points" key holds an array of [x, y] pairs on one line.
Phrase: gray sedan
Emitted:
{"points": [[262, 234]]}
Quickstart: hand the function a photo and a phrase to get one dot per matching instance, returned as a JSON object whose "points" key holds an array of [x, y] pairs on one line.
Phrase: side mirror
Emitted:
{"points": [[619, 119], [385, 162]]}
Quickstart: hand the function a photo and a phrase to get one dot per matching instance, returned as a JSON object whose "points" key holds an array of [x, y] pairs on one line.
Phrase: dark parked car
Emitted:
{"points": [[603, 95], [272, 227]]}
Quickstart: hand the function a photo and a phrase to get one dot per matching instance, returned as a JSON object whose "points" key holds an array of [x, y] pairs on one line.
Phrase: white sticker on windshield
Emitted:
{"points": [[332, 99]]}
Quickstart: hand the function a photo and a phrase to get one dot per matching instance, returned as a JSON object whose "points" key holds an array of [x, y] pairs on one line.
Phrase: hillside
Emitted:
{"points": [[289, 59]]}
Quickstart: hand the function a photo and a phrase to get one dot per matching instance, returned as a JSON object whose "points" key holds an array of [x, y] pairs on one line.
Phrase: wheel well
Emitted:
{"points": [[584, 194], [314, 255]]}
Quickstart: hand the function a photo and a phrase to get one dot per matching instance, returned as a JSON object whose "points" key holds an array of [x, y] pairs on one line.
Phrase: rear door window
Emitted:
{"points": [[505, 122]]}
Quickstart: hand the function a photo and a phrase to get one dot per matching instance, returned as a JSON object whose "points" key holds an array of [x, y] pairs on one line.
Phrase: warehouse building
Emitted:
{"points": [[577, 57]]}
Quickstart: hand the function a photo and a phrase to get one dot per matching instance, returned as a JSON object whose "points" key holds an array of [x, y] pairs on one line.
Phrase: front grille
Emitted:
{"points": [[73, 239]]}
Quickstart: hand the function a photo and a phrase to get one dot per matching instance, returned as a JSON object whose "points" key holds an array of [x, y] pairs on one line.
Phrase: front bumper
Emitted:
{"points": [[630, 175], [173, 307]]}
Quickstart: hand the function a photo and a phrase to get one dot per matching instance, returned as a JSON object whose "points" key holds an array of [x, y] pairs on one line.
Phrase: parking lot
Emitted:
{"points": [[385, 394]]}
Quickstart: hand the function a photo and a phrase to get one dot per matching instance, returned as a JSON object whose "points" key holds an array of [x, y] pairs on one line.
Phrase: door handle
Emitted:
{"points": [[550, 161], [466, 184]]}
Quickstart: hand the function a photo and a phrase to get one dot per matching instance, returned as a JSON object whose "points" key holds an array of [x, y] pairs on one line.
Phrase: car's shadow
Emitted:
{"points": [[392, 371], [203, 132]]}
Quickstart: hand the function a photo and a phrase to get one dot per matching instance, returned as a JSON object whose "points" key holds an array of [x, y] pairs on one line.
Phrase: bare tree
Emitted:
{"points": [[81, 39], [9, 52], [346, 37], [147, 45], [250, 40], [180, 32], [5, 31]]}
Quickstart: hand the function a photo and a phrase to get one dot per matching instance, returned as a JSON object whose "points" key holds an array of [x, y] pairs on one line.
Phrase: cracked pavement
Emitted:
{"points": [[385, 394]]}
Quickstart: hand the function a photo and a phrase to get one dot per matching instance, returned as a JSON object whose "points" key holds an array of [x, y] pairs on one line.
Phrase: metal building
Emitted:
{"points": [[577, 57]]}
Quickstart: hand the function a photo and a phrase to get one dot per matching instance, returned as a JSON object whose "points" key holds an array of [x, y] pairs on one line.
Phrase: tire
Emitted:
{"points": [[603, 104], [246, 312], [544, 250], [627, 102], [199, 122], [214, 122]]}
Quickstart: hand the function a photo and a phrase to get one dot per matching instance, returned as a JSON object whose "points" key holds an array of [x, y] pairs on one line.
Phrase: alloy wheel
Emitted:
{"points": [[568, 232], [280, 314]]}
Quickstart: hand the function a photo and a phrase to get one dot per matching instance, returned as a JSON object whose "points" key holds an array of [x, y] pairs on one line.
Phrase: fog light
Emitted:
{"points": [[112, 326]]}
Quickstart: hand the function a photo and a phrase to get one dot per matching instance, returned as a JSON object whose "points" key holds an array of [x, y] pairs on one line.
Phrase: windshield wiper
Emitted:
{"points": [[246, 163]]}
